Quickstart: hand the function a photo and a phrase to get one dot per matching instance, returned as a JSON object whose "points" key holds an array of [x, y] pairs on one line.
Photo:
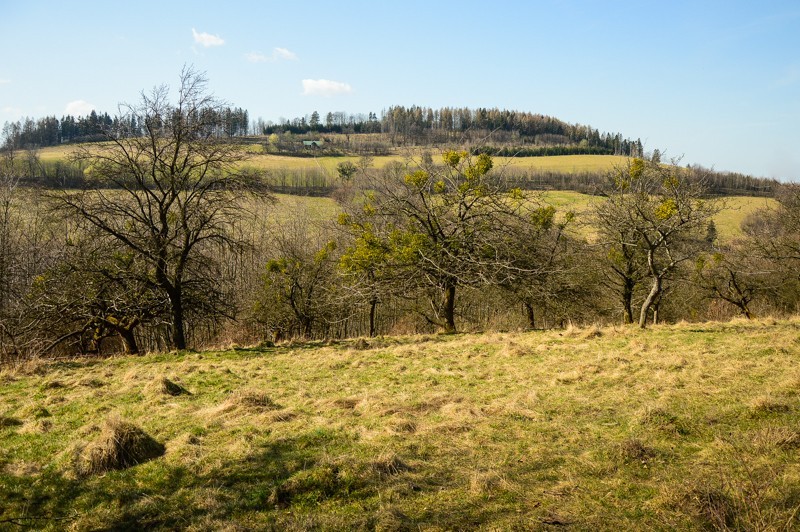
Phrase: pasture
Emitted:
{"points": [[678, 427]]}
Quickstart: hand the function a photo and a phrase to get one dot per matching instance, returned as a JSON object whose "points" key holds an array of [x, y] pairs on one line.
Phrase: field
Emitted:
{"points": [[677, 427], [565, 163]]}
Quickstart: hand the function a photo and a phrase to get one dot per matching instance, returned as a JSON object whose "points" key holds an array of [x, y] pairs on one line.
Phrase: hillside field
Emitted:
{"points": [[736, 208], [563, 163], [677, 427]]}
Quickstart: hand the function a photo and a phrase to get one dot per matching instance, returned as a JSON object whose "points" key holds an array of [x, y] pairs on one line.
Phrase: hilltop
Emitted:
{"points": [[677, 427]]}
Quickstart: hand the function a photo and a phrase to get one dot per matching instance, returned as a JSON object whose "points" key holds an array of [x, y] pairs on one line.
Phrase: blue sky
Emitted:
{"points": [[717, 83]]}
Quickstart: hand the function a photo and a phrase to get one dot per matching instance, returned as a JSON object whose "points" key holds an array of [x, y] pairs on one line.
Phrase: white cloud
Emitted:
{"points": [[283, 53], [277, 53], [325, 87], [79, 108], [206, 39], [4, 81]]}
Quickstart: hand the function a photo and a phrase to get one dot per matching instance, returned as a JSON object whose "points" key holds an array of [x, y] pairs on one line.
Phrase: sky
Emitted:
{"points": [[711, 83]]}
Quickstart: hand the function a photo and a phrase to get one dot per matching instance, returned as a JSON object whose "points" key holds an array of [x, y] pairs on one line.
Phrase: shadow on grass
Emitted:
{"points": [[290, 483]]}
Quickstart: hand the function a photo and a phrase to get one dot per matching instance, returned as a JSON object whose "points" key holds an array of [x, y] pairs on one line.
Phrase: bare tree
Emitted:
{"points": [[301, 289], [654, 215], [169, 194]]}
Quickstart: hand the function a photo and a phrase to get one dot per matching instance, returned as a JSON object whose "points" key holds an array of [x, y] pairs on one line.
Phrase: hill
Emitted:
{"points": [[677, 427]]}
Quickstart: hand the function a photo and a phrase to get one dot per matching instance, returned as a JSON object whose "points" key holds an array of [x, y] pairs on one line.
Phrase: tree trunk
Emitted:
{"points": [[529, 313], [129, 344], [178, 333], [627, 301], [373, 305], [307, 324], [449, 307], [655, 291]]}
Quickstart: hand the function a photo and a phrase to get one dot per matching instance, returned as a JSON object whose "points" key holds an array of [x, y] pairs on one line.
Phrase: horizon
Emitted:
{"points": [[714, 84]]}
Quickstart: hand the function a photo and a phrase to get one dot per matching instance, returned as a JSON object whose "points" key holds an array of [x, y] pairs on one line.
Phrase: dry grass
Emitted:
{"points": [[677, 427], [119, 445]]}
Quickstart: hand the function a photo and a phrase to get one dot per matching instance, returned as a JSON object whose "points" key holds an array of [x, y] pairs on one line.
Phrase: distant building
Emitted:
{"points": [[313, 143]]}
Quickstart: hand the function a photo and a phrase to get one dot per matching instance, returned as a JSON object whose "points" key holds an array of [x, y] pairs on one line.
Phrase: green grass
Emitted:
{"points": [[677, 427]]}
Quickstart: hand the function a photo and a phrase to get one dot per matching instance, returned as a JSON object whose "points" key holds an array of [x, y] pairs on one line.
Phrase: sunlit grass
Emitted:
{"points": [[599, 428]]}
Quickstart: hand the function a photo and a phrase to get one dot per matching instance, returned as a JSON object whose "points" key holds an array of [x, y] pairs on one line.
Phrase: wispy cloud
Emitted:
{"points": [[4, 81], [277, 54], [283, 53], [325, 87], [206, 39], [79, 108]]}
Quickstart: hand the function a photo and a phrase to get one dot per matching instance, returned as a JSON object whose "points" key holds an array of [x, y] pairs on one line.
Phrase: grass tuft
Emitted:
{"points": [[389, 464], [634, 450], [120, 445], [168, 387]]}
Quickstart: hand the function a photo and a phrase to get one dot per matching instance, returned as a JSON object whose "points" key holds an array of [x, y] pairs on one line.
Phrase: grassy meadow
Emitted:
{"points": [[678, 427]]}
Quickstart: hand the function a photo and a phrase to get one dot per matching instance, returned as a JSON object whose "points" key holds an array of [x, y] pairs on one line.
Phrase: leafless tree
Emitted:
{"points": [[168, 193]]}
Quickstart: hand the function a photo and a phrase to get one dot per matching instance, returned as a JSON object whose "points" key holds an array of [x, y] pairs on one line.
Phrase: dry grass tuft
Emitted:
{"points": [[485, 483], [389, 464], [253, 400], [634, 450], [91, 382], [391, 518], [403, 426], [663, 420], [120, 445], [168, 387], [347, 403], [766, 405], [36, 412], [780, 437], [512, 349], [713, 507]]}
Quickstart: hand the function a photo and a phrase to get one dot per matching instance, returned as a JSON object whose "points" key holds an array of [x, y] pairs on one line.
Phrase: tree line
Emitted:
{"points": [[30, 133], [417, 125], [168, 245]]}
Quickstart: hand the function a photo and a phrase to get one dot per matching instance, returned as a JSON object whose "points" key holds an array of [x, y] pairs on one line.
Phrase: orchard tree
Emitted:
{"points": [[734, 274], [654, 218], [300, 290], [169, 195], [775, 233], [437, 228]]}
